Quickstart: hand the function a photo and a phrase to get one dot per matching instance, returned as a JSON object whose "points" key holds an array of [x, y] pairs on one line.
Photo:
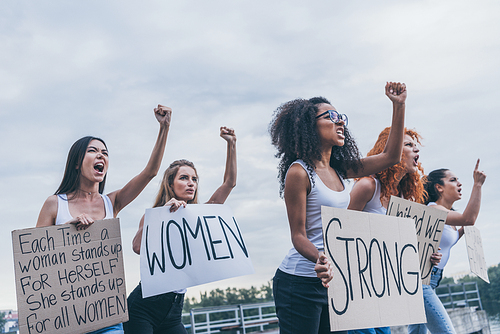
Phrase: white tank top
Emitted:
{"points": [[294, 263], [449, 238], [63, 214], [374, 205]]}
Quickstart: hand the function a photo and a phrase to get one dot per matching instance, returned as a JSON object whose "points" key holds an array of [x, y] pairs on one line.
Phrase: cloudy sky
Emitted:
{"points": [[70, 69]]}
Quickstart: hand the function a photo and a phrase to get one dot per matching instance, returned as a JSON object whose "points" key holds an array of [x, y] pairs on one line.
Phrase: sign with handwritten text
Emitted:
{"points": [[376, 275], [198, 244], [429, 225], [69, 281], [475, 252]]}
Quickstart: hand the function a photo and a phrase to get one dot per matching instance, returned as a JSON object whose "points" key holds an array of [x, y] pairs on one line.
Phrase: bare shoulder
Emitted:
{"points": [[51, 203], [296, 173], [296, 179], [366, 184], [48, 214], [440, 207], [361, 193]]}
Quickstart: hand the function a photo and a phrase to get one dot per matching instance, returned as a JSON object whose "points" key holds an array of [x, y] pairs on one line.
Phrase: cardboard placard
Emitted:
{"points": [[69, 281], [429, 225], [475, 252], [376, 280], [198, 244]]}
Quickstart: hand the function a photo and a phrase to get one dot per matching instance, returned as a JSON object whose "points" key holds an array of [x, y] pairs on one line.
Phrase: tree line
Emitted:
{"points": [[230, 296]]}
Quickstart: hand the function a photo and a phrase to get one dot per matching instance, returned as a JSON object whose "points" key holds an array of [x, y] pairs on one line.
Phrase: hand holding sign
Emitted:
{"points": [[198, 244], [324, 270]]}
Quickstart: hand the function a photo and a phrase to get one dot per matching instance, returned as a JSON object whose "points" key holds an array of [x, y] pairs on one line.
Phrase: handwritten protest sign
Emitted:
{"points": [[376, 280], [198, 244], [475, 252], [69, 281], [429, 225]]}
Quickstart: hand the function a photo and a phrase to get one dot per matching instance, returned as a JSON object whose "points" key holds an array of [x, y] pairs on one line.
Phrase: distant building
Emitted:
{"points": [[460, 275], [11, 324]]}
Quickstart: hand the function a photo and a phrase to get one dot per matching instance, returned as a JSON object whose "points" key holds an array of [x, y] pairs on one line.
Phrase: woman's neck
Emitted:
{"points": [[443, 202], [326, 154], [87, 189]]}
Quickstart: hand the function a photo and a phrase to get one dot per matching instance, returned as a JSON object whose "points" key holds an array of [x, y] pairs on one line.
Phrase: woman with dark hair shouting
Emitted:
{"points": [[317, 153], [444, 189], [80, 200]]}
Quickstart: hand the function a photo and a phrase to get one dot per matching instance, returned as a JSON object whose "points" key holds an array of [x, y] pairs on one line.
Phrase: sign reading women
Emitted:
{"points": [[376, 280], [198, 244], [69, 281]]}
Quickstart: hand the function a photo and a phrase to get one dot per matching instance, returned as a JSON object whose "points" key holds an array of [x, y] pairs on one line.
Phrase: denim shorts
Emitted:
{"points": [[115, 329], [438, 320]]}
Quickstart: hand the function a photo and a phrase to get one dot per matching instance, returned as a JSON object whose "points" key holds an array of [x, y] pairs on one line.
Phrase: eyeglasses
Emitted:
{"points": [[335, 117]]}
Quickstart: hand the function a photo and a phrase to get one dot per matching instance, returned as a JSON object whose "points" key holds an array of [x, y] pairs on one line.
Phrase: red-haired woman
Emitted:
{"points": [[405, 179], [443, 189]]}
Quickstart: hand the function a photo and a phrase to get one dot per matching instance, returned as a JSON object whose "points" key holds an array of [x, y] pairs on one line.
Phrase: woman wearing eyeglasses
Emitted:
{"points": [[405, 179], [443, 190], [317, 153]]}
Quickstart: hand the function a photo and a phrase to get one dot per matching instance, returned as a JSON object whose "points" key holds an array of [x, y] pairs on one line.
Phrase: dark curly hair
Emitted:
{"points": [[293, 132]]}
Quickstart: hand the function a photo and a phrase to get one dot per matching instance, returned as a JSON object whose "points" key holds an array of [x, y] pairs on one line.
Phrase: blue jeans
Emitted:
{"points": [[379, 330], [115, 329], [438, 320], [301, 304], [161, 314]]}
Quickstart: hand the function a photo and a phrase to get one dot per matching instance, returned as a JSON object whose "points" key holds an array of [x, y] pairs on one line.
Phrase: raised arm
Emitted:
{"points": [[361, 193], [122, 197], [469, 216], [394, 146], [229, 182]]}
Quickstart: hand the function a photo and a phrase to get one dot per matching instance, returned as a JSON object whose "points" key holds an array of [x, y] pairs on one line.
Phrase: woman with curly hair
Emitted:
{"points": [[405, 179], [443, 190], [317, 153]]}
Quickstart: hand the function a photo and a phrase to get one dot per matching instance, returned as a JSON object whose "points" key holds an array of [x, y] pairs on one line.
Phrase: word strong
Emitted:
{"points": [[198, 244], [429, 225], [376, 270]]}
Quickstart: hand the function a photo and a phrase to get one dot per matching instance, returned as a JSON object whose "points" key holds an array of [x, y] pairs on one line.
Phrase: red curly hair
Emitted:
{"points": [[411, 185]]}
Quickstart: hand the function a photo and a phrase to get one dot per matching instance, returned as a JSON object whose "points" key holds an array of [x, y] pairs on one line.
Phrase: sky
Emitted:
{"points": [[71, 69]]}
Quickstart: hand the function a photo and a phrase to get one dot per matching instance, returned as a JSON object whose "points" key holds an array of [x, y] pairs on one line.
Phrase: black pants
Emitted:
{"points": [[301, 304], [154, 315]]}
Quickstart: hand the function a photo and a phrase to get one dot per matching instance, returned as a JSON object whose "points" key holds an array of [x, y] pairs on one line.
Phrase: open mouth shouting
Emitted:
{"points": [[340, 132], [99, 167]]}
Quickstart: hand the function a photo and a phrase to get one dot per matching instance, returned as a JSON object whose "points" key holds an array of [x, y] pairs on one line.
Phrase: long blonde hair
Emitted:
{"points": [[166, 192]]}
